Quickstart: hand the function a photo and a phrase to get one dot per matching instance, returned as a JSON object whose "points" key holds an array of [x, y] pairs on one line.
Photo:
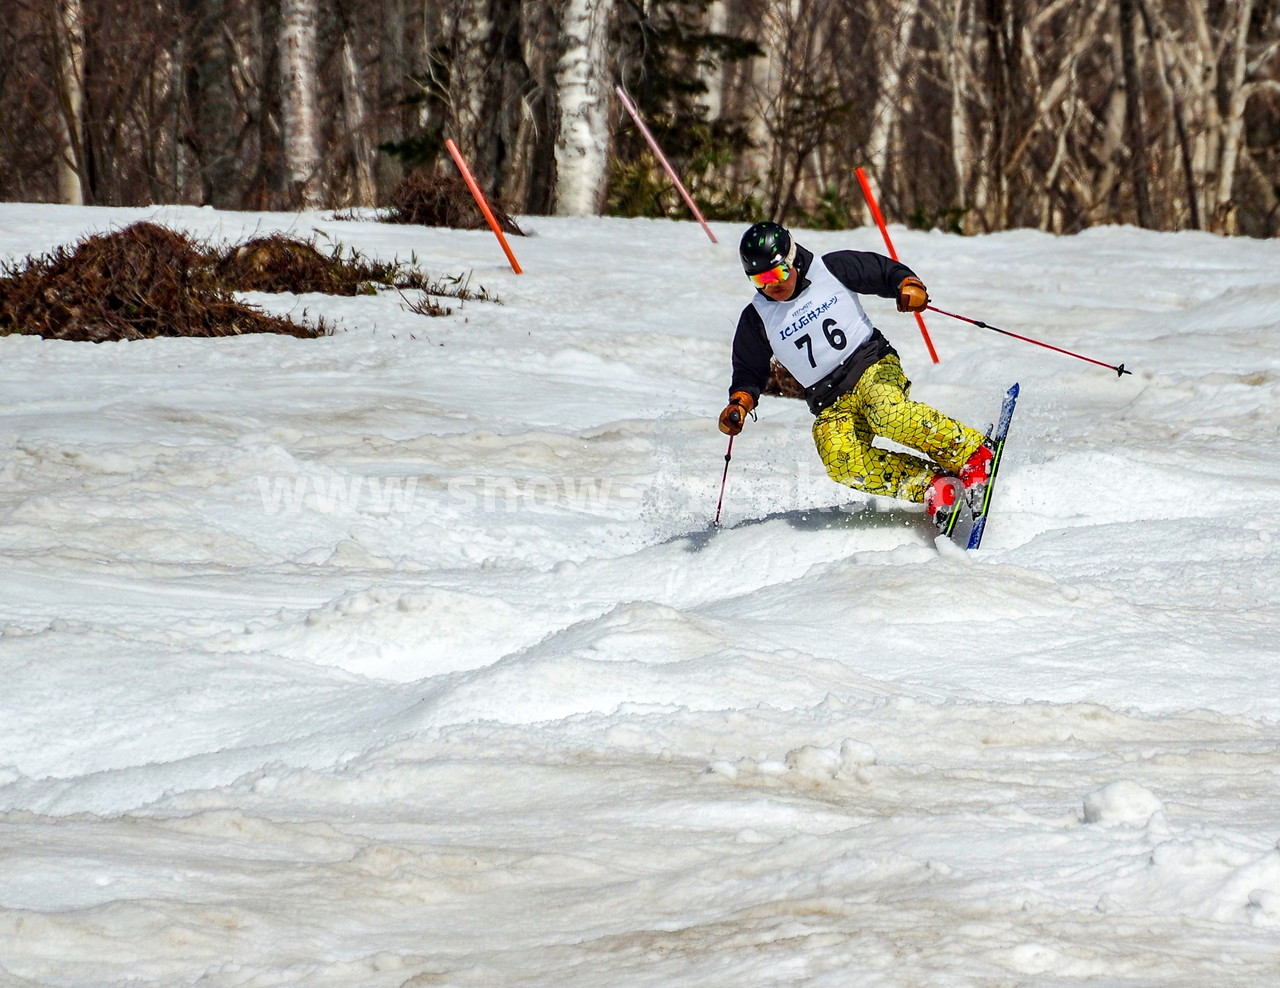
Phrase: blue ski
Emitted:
{"points": [[981, 511]]}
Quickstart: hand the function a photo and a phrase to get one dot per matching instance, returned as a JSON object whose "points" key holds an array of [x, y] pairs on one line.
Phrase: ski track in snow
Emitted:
{"points": [[407, 656]]}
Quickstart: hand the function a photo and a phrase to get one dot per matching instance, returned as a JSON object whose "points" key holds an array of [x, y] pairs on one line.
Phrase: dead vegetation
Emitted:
{"points": [[139, 283], [458, 287], [277, 263], [442, 199], [147, 281]]}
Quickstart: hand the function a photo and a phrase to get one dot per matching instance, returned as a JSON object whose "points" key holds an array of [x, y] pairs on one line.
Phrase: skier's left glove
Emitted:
{"points": [[912, 295], [735, 413]]}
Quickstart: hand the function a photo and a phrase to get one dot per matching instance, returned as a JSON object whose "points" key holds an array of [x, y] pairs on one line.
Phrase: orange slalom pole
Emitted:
{"points": [[884, 232], [484, 206]]}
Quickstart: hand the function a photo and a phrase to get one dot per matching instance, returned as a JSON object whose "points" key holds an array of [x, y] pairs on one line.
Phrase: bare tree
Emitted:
{"points": [[1133, 110], [955, 24], [583, 78], [535, 155], [393, 119], [466, 69], [69, 44], [800, 103], [300, 123], [894, 44], [355, 116], [971, 114], [211, 101]]}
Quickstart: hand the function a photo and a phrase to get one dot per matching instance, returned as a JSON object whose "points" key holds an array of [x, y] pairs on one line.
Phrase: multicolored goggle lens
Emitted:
{"points": [[771, 277]]}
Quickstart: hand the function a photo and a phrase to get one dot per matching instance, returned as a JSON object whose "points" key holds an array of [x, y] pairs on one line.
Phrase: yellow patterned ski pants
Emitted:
{"points": [[878, 406]]}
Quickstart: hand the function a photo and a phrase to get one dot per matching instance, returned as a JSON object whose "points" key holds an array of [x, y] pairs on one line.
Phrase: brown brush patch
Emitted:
{"points": [[457, 287], [142, 282], [277, 263], [781, 382], [443, 199]]}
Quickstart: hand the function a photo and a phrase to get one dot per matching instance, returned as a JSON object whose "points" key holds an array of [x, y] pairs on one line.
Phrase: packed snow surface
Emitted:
{"points": [[408, 656]]}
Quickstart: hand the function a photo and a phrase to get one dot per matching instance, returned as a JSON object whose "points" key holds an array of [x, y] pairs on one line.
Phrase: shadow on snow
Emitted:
{"points": [[863, 516]]}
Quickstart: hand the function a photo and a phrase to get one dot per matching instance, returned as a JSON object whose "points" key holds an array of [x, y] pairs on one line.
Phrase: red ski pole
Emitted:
{"points": [[728, 455], [1118, 368]]}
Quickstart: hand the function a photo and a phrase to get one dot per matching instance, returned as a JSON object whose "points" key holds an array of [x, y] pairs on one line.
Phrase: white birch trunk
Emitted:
{"points": [[299, 120], [70, 39], [582, 147]]}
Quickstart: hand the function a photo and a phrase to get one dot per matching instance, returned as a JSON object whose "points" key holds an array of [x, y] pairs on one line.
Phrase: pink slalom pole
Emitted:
{"points": [[478, 196], [662, 158], [884, 232]]}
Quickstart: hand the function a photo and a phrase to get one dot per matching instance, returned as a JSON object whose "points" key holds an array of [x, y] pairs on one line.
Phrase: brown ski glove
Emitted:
{"points": [[735, 413], [912, 295]]}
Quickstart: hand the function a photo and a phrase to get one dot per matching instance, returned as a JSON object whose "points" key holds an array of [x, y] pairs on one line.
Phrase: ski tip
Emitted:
{"points": [[1013, 391]]}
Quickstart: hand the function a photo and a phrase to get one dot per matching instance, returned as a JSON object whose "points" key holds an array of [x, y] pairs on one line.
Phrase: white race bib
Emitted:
{"points": [[814, 331]]}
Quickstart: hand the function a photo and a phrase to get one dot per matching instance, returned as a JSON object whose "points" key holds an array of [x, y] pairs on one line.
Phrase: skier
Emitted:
{"points": [[806, 313]]}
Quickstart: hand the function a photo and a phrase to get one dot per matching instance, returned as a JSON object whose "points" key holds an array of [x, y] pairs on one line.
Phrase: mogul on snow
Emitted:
{"points": [[807, 314]]}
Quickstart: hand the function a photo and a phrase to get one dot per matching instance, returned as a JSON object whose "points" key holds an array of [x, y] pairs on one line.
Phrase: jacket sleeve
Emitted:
{"points": [[867, 273], [751, 354]]}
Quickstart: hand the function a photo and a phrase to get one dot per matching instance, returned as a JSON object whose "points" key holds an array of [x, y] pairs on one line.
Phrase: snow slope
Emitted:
{"points": [[406, 656]]}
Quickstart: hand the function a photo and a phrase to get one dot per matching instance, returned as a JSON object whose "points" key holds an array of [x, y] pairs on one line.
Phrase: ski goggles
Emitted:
{"points": [[774, 275]]}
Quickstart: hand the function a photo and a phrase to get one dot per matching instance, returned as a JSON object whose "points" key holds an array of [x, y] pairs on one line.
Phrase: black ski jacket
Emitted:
{"points": [[863, 273]]}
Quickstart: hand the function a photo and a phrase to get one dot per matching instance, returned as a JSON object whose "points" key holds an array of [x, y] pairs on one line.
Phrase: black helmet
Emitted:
{"points": [[764, 246]]}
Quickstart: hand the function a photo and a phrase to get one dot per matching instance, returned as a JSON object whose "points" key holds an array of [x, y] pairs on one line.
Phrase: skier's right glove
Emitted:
{"points": [[735, 413]]}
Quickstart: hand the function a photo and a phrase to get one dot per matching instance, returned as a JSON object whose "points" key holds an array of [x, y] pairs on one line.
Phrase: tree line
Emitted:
{"points": [[970, 115]]}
